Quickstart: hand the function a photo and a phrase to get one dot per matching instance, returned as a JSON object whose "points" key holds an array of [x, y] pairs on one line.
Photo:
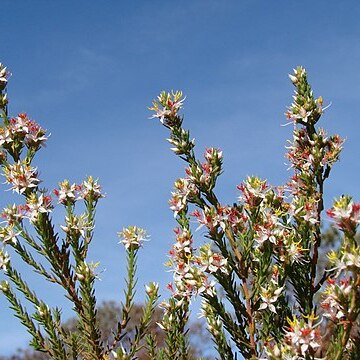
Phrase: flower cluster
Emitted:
{"points": [[183, 247], [268, 230], [68, 194], [346, 214], [342, 287], [22, 130], [186, 276], [204, 175], [303, 335], [185, 191], [167, 106], [77, 225], [293, 250], [253, 191], [336, 299], [91, 190], [9, 235], [132, 237], [213, 164], [189, 270], [305, 109], [346, 260], [221, 216], [211, 261], [313, 151], [35, 205], [14, 214], [271, 221], [21, 177]]}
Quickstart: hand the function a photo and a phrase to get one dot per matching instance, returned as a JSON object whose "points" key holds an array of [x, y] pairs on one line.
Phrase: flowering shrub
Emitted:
{"points": [[265, 293], [28, 229]]}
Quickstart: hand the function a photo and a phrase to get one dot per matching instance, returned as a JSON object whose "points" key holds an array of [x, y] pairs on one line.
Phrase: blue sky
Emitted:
{"points": [[87, 70]]}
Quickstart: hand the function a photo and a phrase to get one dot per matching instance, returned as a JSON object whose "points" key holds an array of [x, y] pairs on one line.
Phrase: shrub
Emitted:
{"points": [[268, 289]]}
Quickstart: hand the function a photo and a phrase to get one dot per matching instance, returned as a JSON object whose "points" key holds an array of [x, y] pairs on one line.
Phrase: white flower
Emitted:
{"points": [[132, 237], [4, 259], [211, 262], [35, 205], [91, 190], [8, 235], [77, 225], [66, 192], [269, 296]]}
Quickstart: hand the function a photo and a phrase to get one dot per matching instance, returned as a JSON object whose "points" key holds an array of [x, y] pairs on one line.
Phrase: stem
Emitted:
{"points": [[251, 325], [348, 325], [314, 260], [129, 297]]}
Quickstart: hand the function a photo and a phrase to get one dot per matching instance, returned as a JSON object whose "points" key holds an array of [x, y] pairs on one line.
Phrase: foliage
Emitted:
{"points": [[109, 313], [267, 285]]}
